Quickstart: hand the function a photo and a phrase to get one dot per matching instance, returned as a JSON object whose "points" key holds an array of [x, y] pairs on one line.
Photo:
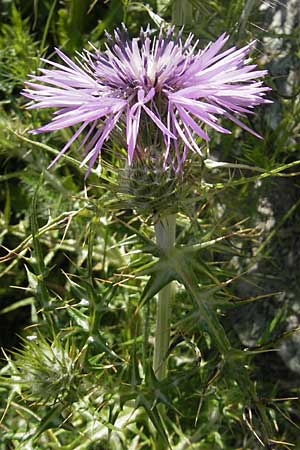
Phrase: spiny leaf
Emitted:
{"points": [[19, 304], [155, 418], [80, 319], [162, 276], [52, 419]]}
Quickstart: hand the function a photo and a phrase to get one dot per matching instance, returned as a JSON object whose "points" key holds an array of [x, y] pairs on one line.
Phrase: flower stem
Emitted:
{"points": [[165, 231]]}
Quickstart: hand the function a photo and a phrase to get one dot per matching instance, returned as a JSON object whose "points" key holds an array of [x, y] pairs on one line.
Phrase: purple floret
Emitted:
{"points": [[163, 79]]}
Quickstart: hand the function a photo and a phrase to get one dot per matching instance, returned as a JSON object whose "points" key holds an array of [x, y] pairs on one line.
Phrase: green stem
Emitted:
{"points": [[165, 231]]}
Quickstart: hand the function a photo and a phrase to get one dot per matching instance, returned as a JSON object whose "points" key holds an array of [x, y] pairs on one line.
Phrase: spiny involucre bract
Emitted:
{"points": [[160, 90]]}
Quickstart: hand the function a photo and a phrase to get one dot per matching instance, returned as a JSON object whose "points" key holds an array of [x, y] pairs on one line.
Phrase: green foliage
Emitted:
{"points": [[80, 266], [17, 54]]}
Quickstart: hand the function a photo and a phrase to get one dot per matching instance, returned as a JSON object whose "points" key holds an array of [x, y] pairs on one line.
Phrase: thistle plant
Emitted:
{"points": [[163, 96], [162, 90]]}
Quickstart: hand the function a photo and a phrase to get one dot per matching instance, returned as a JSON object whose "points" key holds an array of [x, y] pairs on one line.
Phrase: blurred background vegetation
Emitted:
{"points": [[75, 337]]}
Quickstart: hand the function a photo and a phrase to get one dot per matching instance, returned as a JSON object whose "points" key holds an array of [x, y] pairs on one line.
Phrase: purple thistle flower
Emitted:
{"points": [[164, 82]]}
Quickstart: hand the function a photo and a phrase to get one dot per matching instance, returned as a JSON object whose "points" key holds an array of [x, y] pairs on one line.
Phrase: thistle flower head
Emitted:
{"points": [[48, 371], [160, 90]]}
